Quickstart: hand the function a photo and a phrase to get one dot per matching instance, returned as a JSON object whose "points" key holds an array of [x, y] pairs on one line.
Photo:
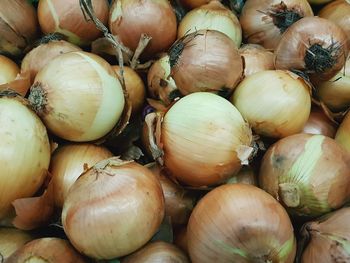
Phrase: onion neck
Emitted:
{"points": [[289, 194], [38, 98], [283, 16], [319, 59]]}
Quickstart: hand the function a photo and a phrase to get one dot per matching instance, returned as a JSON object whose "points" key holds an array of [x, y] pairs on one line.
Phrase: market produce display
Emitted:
{"points": [[174, 131]]}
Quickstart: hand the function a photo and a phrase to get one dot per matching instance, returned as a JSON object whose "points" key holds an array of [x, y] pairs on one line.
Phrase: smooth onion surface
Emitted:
{"points": [[319, 123], [8, 70], [343, 133], [12, 239]]}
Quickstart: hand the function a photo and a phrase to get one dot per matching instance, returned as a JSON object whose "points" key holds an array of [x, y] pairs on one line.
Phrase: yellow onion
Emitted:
{"points": [[319, 123], [66, 17], [264, 21], [245, 176], [24, 152], [135, 88], [38, 57], [113, 209], [240, 223], [8, 70], [12, 239], [206, 60], [314, 45], [48, 250], [256, 59], [18, 26], [275, 103], [205, 139], [308, 174], [78, 96], [69, 162], [128, 19], [343, 133], [157, 252], [327, 238], [213, 16]]}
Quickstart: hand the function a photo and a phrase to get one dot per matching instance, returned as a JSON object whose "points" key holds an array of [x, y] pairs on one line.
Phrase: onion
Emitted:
{"points": [[194, 3], [314, 45], [69, 162], [130, 18], [38, 57], [121, 204], [134, 87], [180, 238], [245, 176], [308, 174], [343, 133], [18, 26], [205, 139], [157, 252], [8, 70], [11, 239], [319, 123], [256, 59], [52, 250], [264, 21], [206, 60], [78, 96], [67, 18], [328, 238], [240, 223], [213, 16], [24, 152], [318, 2], [275, 103]]}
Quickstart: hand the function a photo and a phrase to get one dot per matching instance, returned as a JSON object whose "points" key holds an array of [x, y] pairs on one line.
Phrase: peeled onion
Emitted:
{"points": [[319, 123], [12, 239], [8, 70], [343, 133], [78, 96]]}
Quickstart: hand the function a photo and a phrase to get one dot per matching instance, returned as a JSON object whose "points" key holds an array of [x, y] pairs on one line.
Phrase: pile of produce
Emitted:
{"points": [[174, 131]]}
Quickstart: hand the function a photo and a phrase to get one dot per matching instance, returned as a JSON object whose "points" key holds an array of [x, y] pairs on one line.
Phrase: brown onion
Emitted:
{"points": [[319, 123], [308, 174], [12, 239], [343, 133], [129, 19], [157, 252], [194, 3], [264, 21], [121, 203], [206, 60], [66, 17], [8, 70], [246, 175], [319, 2], [240, 223], [314, 45], [50, 250], [18, 26], [256, 59]]}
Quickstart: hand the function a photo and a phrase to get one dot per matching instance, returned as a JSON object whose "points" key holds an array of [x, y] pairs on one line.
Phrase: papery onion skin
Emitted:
{"points": [[246, 175], [259, 24], [130, 18], [308, 174], [213, 16], [157, 252], [260, 232], [18, 26], [203, 137], [343, 133], [78, 96], [40, 56], [8, 70], [275, 103], [12, 239], [120, 202], [66, 17], [24, 152], [319, 123], [312, 36], [69, 162], [208, 61], [51, 250]]}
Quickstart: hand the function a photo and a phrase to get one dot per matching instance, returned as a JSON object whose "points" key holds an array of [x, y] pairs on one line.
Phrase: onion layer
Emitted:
{"points": [[11, 239], [8, 70]]}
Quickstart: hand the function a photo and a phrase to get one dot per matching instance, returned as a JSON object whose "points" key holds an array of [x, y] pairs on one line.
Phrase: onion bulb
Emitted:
{"points": [[328, 238], [319, 123], [18, 26], [49, 249], [69, 162], [194, 3], [12, 239], [24, 152], [308, 174], [256, 59], [264, 21], [121, 203], [78, 96], [314, 45], [157, 252], [343, 133], [275, 103], [206, 60], [205, 139], [66, 17], [240, 223], [129, 19], [213, 16], [38, 57], [319, 2], [245, 176], [8, 70]]}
